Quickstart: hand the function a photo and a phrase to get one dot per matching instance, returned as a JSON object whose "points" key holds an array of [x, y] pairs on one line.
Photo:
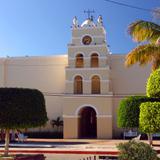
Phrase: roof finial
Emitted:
{"points": [[100, 20], [75, 22]]}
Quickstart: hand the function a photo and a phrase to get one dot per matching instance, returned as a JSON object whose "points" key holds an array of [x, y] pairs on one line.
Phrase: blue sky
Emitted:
{"points": [[42, 27]]}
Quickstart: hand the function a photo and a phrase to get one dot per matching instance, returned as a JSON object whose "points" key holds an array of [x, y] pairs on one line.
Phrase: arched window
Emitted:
{"points": [[78, 85], [96, 85], [79, 60], [94, 60]]}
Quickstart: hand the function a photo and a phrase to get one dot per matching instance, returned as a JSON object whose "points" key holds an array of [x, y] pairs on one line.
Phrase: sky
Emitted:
{"points": [[43, 27]]}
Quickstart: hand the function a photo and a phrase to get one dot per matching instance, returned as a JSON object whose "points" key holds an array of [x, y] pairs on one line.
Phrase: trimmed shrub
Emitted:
{"points": [[153, 84], [21, 108], [149, 119], [128, 111], [134, 150]]}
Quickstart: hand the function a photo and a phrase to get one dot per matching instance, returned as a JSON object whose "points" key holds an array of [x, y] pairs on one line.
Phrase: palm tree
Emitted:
{"points": [[147, 33], [57, 122]]}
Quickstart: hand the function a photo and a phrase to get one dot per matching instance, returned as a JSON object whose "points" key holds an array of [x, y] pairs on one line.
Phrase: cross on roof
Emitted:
{"points": [[89, 13]]}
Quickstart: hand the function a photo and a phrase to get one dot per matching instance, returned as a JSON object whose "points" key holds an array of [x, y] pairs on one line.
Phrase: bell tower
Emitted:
{"points": [[88, 69], [87, 76]]}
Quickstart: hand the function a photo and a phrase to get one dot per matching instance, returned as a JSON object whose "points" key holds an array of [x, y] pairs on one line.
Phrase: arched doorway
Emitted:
{"points": [[87, 123]]}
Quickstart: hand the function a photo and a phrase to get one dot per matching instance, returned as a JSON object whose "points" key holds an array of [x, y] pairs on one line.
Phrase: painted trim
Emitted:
{"points": [[104, 116], [87, 68], [92, 75], [93, 53], [90, 28], [103, 57], [77, 116], [92, 35], [87, 81], [71, 58], [106, 80], [76, 76], [87, 46], [75, 54], [85, 105], [71, 95], [88, 57], [70, 116], [68, 81]]}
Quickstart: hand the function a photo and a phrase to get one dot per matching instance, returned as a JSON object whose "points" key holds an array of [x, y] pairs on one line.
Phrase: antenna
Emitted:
{"points": [[88, 12]]}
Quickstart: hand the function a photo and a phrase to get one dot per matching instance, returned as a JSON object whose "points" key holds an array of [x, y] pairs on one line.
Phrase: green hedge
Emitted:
{"points": [[149, 119], [21, 108], [153, 84], [128, 111]]}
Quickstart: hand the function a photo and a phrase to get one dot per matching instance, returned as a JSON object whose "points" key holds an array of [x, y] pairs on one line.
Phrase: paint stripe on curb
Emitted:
{"points": [[114, 153]]}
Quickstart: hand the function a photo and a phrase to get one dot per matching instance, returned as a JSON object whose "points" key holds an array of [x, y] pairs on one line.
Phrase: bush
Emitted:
{"points": [[150, 117], [21, 108], [133, 150], [128, 111], [153, 84]]}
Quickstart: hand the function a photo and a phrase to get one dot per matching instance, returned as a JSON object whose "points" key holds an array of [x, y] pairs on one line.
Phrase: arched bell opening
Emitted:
{"points": [[78, 85], [94, 60], [79, 61]]}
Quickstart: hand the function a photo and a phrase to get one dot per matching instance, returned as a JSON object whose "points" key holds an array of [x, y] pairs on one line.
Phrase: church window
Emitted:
{"points": [[78, 85], [96, 85], [79, 60], [94, 60]]}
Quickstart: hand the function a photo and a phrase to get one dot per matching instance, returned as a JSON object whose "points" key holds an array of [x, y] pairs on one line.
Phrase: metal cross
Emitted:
{"points": [[89, 13]]}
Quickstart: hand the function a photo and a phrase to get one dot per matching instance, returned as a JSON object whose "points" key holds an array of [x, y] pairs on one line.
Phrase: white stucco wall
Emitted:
{"points": [[48, 75], [127, 81], [2, 70], [44, 73]]}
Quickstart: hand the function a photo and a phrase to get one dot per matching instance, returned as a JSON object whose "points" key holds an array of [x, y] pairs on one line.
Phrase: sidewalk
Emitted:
{"points": [[69, 146]]}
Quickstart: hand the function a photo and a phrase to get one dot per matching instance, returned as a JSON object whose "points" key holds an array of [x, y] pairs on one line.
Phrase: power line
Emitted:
{"points": [[131, 6]]}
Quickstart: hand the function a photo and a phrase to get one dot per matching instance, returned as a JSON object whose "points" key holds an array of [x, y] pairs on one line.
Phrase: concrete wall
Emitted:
{"points": [[127, 81], [102, 107], [48, 75], [2, 72], [44, 73]]}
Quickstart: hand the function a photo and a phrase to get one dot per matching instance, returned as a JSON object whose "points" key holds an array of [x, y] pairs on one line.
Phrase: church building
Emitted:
{"points": [[83, 86]]}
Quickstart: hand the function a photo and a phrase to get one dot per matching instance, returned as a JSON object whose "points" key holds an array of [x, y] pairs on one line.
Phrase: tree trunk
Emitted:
{"points": [[150, 139], [6, 142]]}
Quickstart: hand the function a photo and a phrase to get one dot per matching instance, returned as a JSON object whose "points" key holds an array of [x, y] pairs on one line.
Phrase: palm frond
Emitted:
{"points": [[56, 122], [144, 31], [144, 54]]}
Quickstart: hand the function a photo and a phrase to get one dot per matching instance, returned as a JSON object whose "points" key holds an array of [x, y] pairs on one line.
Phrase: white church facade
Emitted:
{"points": [[84, 86]]}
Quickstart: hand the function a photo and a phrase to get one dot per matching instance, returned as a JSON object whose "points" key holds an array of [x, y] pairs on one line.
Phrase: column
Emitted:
{"points": [[104, 126], [70, 129]]}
